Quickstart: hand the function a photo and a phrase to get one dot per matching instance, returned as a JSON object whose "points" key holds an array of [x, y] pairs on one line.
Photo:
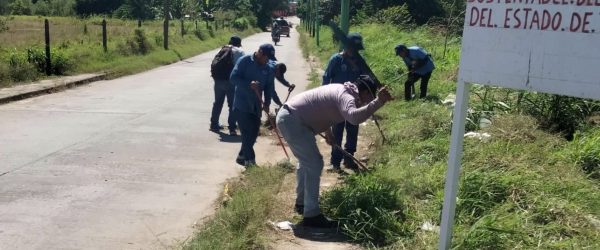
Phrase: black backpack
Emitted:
{"points": [[222, 64]]}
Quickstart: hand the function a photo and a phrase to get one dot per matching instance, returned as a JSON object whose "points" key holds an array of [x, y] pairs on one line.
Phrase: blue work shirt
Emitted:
{"points": [[245, 71], [341, 70], [416, 53]]}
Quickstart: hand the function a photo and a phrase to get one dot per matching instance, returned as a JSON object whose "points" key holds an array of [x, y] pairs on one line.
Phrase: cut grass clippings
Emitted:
{"points": [[240, 223]]}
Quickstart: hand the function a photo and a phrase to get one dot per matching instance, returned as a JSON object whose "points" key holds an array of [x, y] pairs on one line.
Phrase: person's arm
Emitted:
{"points": [[268, 91], [276, 99], [328, 75], [283, 81], [356, 115]]}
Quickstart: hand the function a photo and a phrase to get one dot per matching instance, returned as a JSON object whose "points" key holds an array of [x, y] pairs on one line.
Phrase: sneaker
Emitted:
{"points": [[240, 160], [319, 221], [299, 209], [233, 133], [334, 168], [216, 128], [250, 163]]}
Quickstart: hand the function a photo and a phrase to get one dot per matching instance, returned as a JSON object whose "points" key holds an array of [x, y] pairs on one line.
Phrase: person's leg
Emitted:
{"points": [[338, 134], [245, 130], [351, 142], [231, 120], [412, 78], [424, 82], [303, 144], [220, 92], [249, 126]]}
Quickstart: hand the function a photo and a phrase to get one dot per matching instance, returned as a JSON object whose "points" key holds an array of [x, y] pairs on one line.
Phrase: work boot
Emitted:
{"points": [[240, 160], [319, 221], [299, 209], [216, 128]]}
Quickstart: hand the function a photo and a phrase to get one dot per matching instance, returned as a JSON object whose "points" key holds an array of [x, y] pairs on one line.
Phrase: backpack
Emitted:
{"points": [[222, 64]]}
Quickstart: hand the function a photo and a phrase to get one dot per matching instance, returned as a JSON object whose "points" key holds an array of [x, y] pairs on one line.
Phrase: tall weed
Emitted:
{"points": [[370, 209]]}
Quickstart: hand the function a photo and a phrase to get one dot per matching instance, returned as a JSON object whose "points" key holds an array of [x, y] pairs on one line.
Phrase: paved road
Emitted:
{"points": [[121, 164]]}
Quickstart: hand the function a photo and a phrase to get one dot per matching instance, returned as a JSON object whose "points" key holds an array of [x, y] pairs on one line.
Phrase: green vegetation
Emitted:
{"points": [[240, 222], [527, 187], [77, 46]]}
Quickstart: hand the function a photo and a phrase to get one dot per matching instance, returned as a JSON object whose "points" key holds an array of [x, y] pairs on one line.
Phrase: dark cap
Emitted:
{"points": [[399, 48], [356, 41], [365, 82], [268, 50], [235, 41]]}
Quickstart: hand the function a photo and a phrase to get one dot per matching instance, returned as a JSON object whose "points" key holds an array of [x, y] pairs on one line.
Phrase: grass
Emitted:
{"points": [[240, 223], [525, 188], [79, 43]]}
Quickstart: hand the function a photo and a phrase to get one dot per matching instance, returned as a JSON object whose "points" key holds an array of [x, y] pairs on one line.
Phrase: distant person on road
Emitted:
{"points": [[221, 68], [344, 67], [420, 66], [313, 112], [252, 74]]}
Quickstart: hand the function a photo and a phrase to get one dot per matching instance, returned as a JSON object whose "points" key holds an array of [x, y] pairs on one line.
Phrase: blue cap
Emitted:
{"points": [[356, 41], [399, 48], [268, 50]]}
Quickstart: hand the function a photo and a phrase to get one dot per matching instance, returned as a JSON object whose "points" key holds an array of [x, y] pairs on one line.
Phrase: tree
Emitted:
{"points": [[92, 7], [19, 7]]}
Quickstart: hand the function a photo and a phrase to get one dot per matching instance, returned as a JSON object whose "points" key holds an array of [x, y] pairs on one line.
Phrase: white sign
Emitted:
{"points": [[550, 46]]}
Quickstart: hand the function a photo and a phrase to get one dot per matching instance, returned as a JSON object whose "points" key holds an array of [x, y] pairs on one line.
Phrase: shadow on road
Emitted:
{"points": [[229, 138], [320, 235]]}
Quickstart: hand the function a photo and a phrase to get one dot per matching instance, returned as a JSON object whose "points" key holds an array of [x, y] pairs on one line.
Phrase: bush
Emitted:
{"points": [[60, 62], [200, 34], [3, 24], [20, 69], [396, 15], [241, 23], [136, 45], [4, 75], [368, 208], [37, 57], [585, 149], [559, 113]]}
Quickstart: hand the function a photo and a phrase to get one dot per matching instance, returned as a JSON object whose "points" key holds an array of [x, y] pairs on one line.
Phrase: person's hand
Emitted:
{"points": [[384, 95], [254, 85], [292, 87]]}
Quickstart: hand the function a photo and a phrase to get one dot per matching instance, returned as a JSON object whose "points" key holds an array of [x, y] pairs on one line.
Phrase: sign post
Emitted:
{"points": [[545, 46]]}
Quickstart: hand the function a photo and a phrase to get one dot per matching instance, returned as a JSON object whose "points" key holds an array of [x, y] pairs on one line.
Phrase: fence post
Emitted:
{"points": [[182, 28], [139, 23], [104, 45], [166, 33], [47, 36]]}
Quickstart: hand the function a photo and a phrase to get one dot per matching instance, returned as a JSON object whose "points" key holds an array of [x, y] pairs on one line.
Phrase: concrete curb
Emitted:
{"points": [[49, 86]]}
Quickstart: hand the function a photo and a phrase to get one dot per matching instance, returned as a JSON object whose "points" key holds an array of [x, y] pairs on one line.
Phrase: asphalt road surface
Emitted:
{"points": [[122, 164]]}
